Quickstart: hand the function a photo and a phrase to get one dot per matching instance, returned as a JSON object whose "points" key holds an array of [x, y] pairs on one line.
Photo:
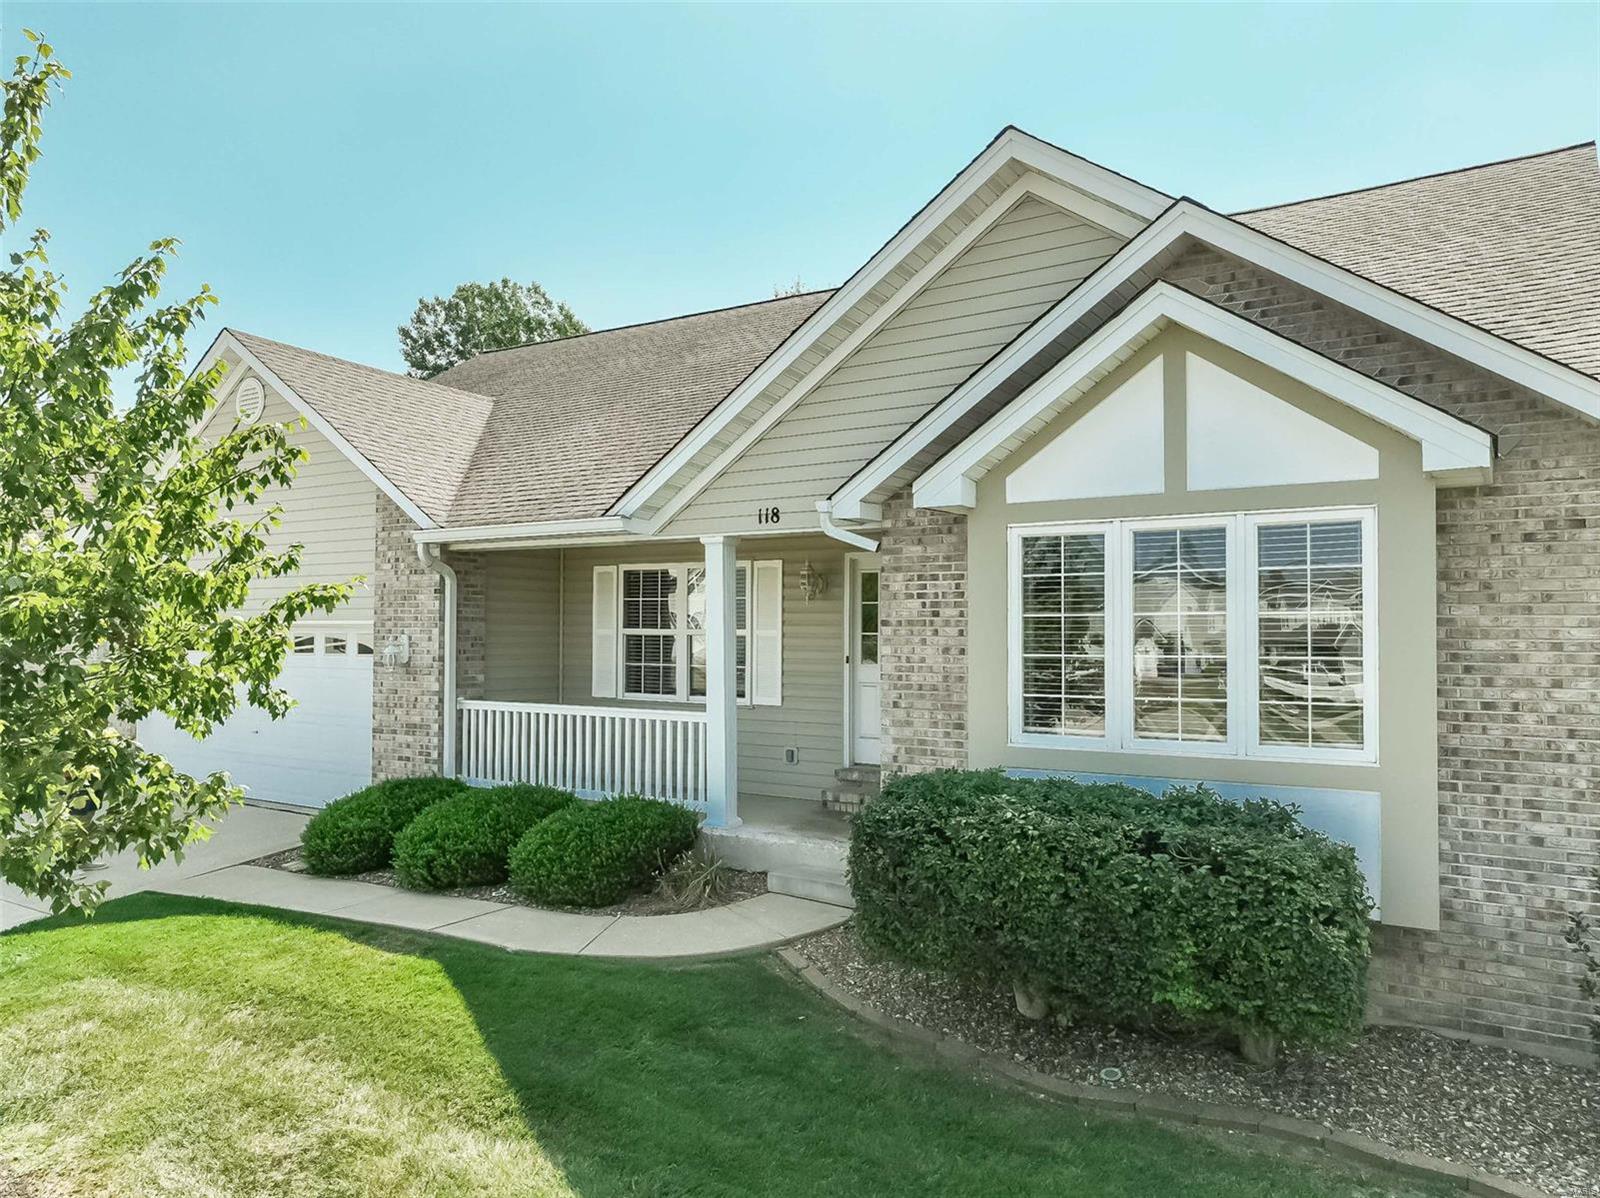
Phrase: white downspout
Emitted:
{"points": [[434, 560], [825, 515]]}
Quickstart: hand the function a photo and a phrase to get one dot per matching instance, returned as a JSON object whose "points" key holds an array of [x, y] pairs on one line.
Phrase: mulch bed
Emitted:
{"points": [[1506, 1112], [741, 886]]}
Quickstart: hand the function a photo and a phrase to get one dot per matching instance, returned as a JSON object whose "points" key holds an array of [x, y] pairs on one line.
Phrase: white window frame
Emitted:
{"points": [[1243, 688], [681, 634], [1367, 754]]}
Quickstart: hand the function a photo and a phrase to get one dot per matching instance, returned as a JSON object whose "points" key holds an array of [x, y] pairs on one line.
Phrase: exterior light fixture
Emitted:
{"points": [[396, 651], [812, 583]]}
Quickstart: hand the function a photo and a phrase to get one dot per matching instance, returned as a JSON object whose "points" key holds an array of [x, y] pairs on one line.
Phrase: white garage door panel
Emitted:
{"points": [[321, 750]]}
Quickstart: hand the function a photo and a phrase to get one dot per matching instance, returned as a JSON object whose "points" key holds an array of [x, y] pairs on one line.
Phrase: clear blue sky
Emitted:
{"points": [[328, 165]]}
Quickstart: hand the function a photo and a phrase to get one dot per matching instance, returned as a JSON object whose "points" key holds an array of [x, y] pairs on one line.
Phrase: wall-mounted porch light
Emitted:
{"points": [[812, 583]]}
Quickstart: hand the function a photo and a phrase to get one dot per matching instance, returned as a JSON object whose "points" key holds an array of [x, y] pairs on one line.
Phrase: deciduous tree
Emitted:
{"points": [[476, 317], [128, 547]]}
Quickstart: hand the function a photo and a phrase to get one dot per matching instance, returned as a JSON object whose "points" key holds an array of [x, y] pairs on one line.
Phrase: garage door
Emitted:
{"points": [[322, 749]]}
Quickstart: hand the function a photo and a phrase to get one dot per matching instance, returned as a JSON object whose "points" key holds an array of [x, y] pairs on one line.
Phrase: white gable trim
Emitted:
{"points": [[854, 499], [1103, 192], [226, 340], [1450, 447]]}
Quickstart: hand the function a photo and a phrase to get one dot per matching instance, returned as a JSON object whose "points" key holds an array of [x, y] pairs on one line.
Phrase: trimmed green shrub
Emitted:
{"points": [[598, 853], [356, 833], [1184, 910], [466, 840]]}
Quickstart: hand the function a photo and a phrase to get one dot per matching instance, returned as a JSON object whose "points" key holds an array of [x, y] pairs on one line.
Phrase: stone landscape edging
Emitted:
{"points": [[1166, 1108]]}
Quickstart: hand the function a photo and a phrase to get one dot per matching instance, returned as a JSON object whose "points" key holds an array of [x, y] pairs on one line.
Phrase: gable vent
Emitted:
{"points": [[249, 400]]}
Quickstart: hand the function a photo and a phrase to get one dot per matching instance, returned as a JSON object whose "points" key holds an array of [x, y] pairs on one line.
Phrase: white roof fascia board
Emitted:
{"points": [[1083, 205], [1095, 181], [1186, 218], [226, 340], [1451, 448], [1510, 361]]}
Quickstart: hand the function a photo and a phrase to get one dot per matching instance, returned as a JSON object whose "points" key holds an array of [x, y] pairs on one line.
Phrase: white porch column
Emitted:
{"points": [[722, 704]]}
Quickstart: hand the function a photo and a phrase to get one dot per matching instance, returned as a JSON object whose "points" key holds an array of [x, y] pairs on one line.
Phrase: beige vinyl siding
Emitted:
{"points": [[1030, 258], [830, 339], [522, 614], [330, 509], [811, 717]]}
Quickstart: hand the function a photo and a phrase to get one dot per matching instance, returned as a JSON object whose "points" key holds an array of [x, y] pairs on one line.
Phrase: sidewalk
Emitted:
{"points": [[215, 869], [761, 922]]}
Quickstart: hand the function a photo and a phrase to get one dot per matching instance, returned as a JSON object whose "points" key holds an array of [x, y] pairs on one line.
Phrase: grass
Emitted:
{"points": [[181, 1046]]}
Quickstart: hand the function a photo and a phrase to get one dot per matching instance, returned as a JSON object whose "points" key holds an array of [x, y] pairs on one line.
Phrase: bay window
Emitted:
{"points": [[1247, 634]]}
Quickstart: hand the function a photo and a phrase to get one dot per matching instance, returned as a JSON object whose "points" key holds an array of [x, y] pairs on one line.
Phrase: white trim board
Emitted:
{"points": [[1102, 193], [1450, 447], [1185, 218], [226, 340]]}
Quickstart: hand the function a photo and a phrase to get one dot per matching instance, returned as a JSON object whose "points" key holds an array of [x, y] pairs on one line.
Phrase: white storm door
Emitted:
{"points": [[865, 711]]}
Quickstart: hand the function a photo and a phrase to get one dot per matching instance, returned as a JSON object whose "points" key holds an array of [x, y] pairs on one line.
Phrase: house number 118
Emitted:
{"points": [[767, 515]]}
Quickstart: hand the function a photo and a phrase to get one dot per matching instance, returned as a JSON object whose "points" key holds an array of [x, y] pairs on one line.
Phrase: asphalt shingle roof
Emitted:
{"points": [[559, 430], [420, 435], [577, 421], [1513, 247]]}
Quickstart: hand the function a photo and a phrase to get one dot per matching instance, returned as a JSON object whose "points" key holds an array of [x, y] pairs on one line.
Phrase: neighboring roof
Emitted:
{"points": [[577, 421], [418, 435], [1513, 247]]}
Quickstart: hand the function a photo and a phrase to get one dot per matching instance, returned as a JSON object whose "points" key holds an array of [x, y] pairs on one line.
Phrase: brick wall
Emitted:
{"points": [[407, 700], [922, 621], [1519, 681], [1519, 675]]}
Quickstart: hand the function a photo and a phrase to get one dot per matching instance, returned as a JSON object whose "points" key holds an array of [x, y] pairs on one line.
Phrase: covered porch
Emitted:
{"points": [[724, 674]]}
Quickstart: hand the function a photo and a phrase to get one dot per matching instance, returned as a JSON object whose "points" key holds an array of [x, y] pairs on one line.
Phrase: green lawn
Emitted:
{"points": [[185, 1047]]}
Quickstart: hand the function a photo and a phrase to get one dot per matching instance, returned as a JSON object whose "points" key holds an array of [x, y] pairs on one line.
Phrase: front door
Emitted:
{"points": [[865, 717]]}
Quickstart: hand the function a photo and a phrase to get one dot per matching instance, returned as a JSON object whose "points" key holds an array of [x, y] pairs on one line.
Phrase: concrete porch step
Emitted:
{"points": [[853, 788], [766, 849], [818, 885]]}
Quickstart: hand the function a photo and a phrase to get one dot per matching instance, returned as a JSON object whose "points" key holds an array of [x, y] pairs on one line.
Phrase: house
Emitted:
{"points": [[1070, 476]]}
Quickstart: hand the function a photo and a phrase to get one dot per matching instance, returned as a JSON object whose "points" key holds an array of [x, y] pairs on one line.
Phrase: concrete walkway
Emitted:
{"points": [[243, 834], [215, 870], [761, 922]]}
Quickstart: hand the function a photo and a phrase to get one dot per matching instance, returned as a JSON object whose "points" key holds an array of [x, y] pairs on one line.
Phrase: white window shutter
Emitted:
{"points": [[603, 677], [766, 633]]}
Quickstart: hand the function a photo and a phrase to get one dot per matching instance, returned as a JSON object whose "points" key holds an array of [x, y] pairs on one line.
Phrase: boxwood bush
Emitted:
{"points": [[466, 839], [594, 854], [1184, 910], [356, 833]]}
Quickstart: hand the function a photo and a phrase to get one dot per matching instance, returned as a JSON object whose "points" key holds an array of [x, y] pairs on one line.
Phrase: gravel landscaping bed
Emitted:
{"points": [[741, 885], [1521, 1116]]}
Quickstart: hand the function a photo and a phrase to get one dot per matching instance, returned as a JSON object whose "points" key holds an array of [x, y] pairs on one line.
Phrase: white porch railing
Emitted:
{"points": [[591, 750]]}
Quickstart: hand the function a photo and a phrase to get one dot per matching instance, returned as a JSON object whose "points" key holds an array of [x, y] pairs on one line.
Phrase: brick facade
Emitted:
{"points": [[407, 731], [922, 621], [1519, 681], [1519, 672], [1519, 675]]}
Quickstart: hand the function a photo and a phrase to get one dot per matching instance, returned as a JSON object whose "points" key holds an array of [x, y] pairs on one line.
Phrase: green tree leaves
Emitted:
{"points": [[478, 317], [125, 557]]}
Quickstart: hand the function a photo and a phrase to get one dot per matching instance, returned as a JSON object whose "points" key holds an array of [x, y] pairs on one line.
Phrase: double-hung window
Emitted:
{"points": [[1248, 634], [663, 631], [650, 632]]}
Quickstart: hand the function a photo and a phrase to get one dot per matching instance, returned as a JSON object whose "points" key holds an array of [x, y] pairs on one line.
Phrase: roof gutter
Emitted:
{"points": [[433, 559], [481, 533], [825, 518]]}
